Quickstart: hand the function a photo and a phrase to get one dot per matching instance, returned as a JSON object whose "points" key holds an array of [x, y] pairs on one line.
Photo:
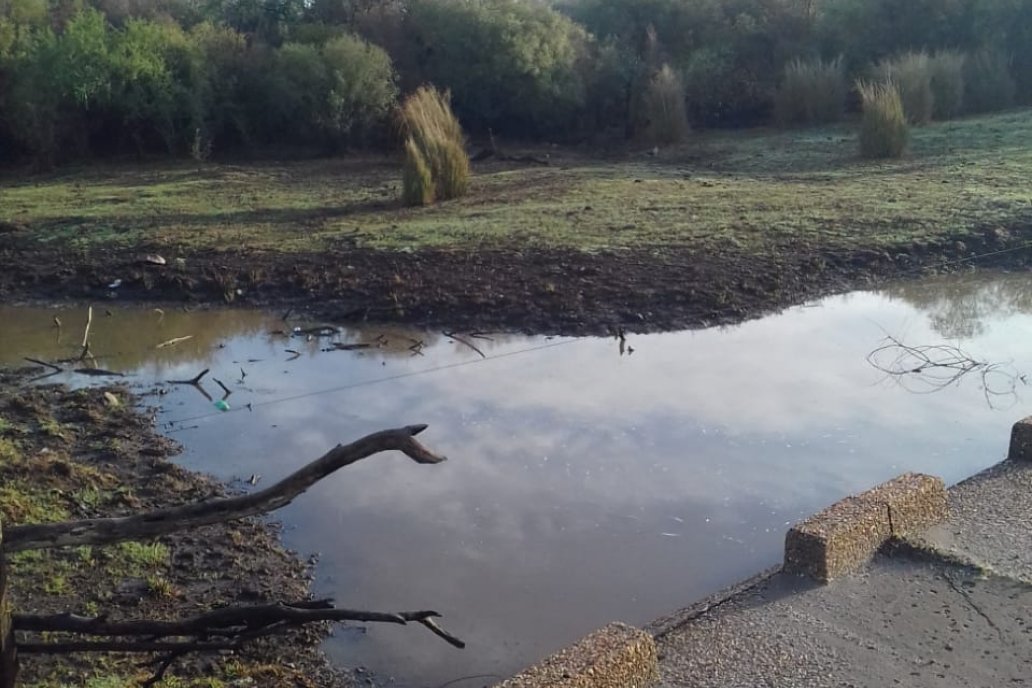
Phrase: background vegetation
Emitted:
{"points": [[82, 78]]}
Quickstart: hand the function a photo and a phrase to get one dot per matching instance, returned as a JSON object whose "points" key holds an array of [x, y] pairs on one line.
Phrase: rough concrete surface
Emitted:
{"points": [[991, 523], [916, 615], [1021, 441], [845, 536], [614, 656]]}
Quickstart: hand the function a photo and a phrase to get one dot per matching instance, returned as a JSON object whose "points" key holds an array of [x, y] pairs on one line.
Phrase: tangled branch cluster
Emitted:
{"points": [[932, 367]]}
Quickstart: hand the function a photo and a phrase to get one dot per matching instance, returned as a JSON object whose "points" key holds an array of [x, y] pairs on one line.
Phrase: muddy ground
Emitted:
{"points": [[540, 291], [70, 454]]}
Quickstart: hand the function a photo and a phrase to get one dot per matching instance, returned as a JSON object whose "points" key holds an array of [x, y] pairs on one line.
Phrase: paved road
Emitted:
{"points": [[952, 607]]}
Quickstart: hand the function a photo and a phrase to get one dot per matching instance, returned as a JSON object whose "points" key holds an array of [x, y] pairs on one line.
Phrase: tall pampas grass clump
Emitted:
{"points": [[883, 130], [911, 74], [436, 164]]}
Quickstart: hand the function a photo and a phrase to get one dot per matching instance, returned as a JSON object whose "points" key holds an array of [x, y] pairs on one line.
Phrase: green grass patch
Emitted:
{"points": [[752, 189]]}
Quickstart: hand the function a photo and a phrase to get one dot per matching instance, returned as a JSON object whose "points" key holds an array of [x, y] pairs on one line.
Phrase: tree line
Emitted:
{"points": [[83, 78]]}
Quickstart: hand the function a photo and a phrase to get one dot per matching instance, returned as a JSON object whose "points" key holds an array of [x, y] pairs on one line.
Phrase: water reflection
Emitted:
{"points": [[960, 306], [583, 486]]}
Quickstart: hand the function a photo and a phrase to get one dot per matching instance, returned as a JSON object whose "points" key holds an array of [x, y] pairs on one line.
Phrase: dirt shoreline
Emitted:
{"points": [[536, 291], [69, 454]]}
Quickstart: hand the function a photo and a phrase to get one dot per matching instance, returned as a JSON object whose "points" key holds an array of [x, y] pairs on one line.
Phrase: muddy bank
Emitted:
{"points": [[553, 291], [70, 454]]}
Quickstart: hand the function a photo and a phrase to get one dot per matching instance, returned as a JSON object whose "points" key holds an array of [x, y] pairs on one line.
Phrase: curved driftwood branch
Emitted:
{"points": [[230, 622], [99, 531]]}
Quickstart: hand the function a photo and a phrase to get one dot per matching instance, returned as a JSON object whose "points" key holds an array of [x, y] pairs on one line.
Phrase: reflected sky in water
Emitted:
{"points": [[583, 486]]}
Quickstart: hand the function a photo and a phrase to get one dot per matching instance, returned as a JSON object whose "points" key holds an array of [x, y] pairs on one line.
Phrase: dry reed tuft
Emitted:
{"points": [[883, 130], [436, 164], [911, 73]]}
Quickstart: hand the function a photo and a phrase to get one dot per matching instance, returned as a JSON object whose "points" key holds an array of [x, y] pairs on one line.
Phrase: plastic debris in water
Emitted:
{"points": [[221, 405]]}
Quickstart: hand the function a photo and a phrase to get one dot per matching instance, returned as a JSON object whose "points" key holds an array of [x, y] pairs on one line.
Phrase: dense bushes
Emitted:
{"points": [[88, 77], [153, 86], [511, 66], [812, 92]]}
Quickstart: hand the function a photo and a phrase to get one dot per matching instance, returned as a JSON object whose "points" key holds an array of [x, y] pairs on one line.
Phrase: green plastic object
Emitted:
{"points": [[221, 405]]}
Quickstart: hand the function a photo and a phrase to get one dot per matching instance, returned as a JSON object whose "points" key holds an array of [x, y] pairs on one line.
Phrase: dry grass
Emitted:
{"points": [[436, 164], [947, 81], [883, 131], [664, 108], [911, 73], [812, 92]]}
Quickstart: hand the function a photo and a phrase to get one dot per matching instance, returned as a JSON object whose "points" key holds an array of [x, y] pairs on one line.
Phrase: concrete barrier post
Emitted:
{"points": [[847, 534], [614, 656], [1021, 441], [8, 650]]}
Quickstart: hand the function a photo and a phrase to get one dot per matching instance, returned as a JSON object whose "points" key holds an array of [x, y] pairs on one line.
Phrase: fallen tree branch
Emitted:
{"points": [[195, 380], [86, 331], [928, 368], [98, 372], [55, 368], [224, 388], [228, 621], [173, 341], [96, 531], [459, 339]]}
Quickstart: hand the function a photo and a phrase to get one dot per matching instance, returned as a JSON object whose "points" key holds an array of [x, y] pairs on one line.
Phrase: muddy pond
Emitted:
{"points": [[587, 481]]}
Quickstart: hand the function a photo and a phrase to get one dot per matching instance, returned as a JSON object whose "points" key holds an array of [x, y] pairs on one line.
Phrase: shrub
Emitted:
{"points": [[988, 84], [362, 87], [911, 73], [812, 92], [436, 164], [663, 107], [510, 66], [947, 69], [883, 130]]}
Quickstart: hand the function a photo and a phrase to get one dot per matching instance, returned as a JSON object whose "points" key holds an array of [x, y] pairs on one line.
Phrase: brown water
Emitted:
{"points": [[583, 485]]}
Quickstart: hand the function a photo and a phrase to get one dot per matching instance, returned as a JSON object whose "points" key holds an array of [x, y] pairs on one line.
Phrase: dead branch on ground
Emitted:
{"points": [[96, 531]]}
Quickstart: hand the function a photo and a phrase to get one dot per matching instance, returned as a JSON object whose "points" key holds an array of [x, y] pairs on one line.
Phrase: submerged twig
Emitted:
{"points": [[460, 340], [86, 331], [932, 367], [173, 341]]}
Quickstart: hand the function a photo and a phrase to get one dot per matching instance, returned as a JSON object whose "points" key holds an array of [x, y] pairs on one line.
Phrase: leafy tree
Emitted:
{"points": [[509, 65], [362, 87]]}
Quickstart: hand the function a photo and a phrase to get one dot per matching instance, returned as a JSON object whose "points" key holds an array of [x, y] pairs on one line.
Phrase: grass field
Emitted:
{"points": [[752, 190]]}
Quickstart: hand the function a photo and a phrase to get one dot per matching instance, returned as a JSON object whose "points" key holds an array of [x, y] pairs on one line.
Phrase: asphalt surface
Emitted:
{"points": [[950, 607]]}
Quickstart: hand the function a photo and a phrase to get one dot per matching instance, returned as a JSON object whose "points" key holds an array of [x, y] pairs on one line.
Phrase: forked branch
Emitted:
{"points": [[99, 531]]}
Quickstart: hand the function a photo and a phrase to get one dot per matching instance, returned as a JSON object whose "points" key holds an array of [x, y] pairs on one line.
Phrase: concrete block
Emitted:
{"points": [[838, 539], [915, 502], [846, 535], [615, 656], [1021, 441]]}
